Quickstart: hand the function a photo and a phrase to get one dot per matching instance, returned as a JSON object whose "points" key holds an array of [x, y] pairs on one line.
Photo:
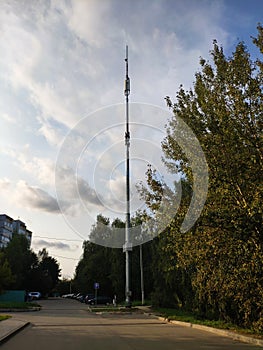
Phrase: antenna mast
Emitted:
{"points": [[127, 248]]}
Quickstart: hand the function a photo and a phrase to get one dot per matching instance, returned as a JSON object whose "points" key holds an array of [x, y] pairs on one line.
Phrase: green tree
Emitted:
{"points": [[107, 265], [21, 259], [222, 254], [94, 265], [6, 277], [28, 271], [170, 281], [64, 286], [48, 272]]}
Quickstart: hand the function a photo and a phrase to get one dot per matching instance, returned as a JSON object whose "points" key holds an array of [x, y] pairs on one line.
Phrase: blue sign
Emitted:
{"points": [[96, 285]]}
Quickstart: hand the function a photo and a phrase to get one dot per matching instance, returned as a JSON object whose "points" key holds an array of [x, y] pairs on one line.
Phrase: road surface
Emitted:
{"points": [[68, 325]]}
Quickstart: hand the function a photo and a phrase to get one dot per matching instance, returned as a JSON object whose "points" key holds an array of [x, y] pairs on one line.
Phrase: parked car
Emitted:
{"points": [[81, 298], [34, 295], [76, 295], [68, 296], [100, 300], [88, 297]]}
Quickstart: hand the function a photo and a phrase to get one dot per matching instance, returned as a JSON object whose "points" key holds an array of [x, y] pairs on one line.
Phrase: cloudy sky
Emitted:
{"points": [[62, 107]]}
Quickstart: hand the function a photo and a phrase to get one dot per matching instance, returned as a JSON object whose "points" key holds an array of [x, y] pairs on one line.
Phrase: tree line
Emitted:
{"points": [[106, 265], [214, 269], [23, 269]]}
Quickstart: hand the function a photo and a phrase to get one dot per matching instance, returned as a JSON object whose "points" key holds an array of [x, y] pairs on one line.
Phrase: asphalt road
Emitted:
{"points": [[68, 325]]}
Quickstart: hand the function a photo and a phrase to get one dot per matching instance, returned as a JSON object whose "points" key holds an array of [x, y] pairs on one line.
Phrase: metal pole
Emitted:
{"points": [[127, 248], [142, 279]]}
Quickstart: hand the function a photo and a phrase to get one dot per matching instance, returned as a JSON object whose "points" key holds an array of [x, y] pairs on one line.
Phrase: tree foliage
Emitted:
{"points": [[21, 268], [48, 272], [219, 262], [6, 277], [106, 265], [22, 261]]}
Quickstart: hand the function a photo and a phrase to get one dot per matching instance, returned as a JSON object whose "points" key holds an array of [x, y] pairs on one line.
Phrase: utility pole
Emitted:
{"points": [[142, 279], [127, 248]]}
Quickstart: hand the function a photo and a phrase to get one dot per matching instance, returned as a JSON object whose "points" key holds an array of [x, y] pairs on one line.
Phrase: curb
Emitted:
{"points": [[222, 332], [12, 332], [218, 331], [20, 310]]}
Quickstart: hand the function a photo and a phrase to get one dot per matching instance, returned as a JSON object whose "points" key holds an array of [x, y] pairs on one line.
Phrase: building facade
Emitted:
{"points": [[9, 226]]}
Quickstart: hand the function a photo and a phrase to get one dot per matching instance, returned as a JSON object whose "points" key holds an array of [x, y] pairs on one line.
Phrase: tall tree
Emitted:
{"points": [[6, 277], [223, 252], [21, 260], [95, 263], [49, 272], [107, 265]]}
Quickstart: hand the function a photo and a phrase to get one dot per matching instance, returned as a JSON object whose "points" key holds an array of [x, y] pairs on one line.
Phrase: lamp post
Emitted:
{"points": [[127, 248]]}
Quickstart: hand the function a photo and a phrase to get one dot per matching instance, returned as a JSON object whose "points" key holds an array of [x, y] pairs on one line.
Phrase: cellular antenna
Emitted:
{"points": [[127, 247], [127, 79]]}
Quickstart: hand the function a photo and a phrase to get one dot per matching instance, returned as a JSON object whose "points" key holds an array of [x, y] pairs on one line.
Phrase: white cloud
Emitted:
{"points": [[8, 118], [52, 134], [75, 194], [4, 184], [76, 49], [16, 43], [52, 73], [41, 169], [33, 197], [91, 21], [40, 243], [117, 187]]}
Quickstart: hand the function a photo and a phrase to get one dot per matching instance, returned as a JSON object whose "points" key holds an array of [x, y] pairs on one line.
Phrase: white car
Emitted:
{"points": [[34, 295]]}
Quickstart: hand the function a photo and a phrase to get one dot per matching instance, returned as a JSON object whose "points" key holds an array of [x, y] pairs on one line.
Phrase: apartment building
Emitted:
{"points": [[9, 226]]}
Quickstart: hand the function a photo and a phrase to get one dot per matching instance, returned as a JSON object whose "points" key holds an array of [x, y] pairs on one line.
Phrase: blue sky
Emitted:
{"points": [[61, 85]]}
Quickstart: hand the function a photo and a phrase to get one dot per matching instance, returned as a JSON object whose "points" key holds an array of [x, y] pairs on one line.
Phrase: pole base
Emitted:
{"points": [[128, 305]]}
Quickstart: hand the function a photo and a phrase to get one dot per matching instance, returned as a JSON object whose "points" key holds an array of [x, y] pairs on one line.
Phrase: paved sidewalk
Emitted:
{"points": [[10, 327]]}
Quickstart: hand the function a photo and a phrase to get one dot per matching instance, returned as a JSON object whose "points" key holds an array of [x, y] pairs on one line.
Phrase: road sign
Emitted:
{"points": [[96, 285]]}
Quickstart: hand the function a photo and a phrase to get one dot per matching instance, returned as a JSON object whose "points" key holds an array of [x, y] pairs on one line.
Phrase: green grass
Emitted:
{"points": [[187, 316], [17, 305], [139, 303], [4, 317]]}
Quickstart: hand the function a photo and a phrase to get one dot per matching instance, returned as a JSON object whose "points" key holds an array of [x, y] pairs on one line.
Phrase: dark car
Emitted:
{"points": [[88, 297], [100, 300], [76, 295], [80, 297]]}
